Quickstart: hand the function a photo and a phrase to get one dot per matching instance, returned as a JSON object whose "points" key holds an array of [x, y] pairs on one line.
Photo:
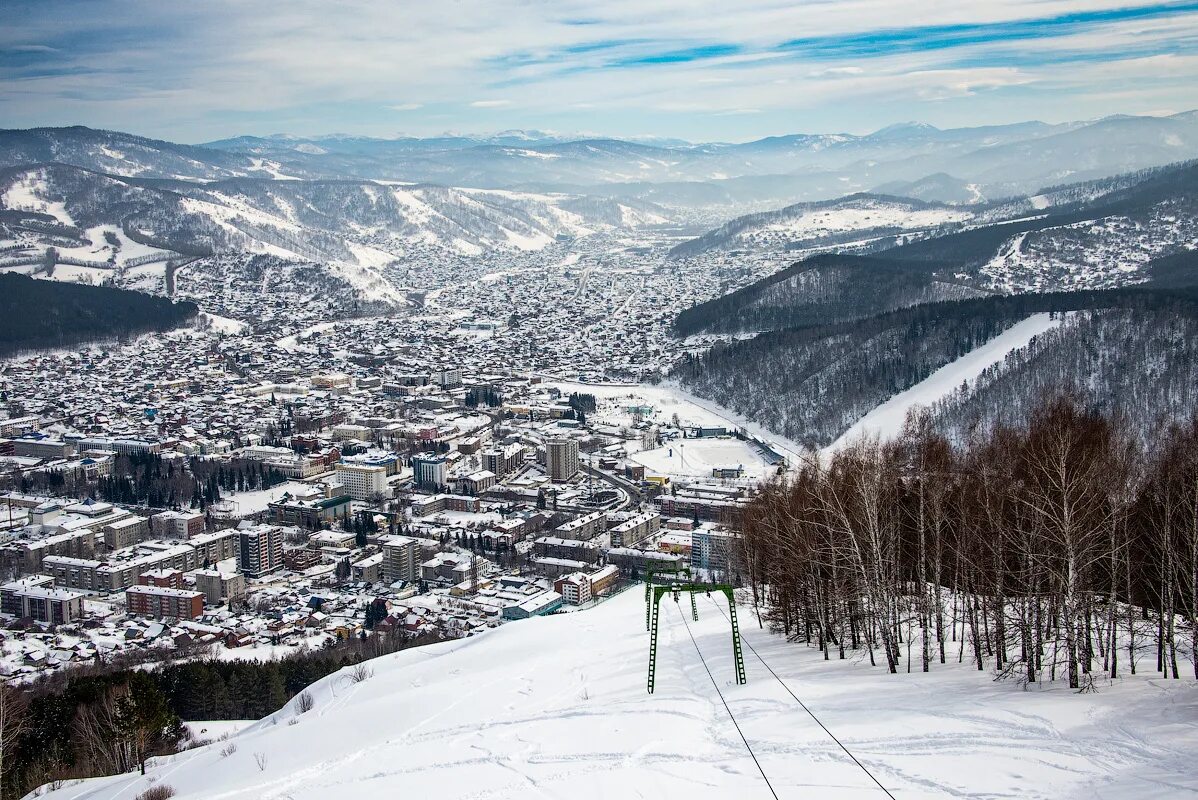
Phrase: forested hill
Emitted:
{"points": [[36, 314], [812, 383], [1101, 235]]}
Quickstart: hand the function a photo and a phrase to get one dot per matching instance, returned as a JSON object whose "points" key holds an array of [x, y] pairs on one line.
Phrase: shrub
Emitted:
{"points": [[162, 791]]}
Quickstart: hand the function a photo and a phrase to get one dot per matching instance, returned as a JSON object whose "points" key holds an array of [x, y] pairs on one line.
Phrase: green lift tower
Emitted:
{"points": [[653, 595]]}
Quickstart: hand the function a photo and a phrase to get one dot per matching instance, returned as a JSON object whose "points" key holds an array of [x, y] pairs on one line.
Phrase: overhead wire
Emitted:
{"points": [[803, 705]]}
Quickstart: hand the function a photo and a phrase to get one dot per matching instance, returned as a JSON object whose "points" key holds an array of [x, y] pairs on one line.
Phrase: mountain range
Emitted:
{"points": [[954, 165]]}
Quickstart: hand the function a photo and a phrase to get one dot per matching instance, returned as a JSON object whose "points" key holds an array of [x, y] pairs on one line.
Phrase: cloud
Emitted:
{"points": [[691, 68]]}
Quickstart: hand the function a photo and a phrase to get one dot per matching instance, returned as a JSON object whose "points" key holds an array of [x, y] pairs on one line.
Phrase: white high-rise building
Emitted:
{"points": [[361, 481]]}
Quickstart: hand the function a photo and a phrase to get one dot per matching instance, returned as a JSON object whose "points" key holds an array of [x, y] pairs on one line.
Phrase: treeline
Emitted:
{"points": [[148, 479], [104, 719], [1139, 365], [811, 383], [38, 314], [1060, 549]]}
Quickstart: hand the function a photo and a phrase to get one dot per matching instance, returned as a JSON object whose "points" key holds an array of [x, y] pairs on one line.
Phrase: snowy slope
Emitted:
{"points": [[886, 421], [556, 707], [851, 220]]}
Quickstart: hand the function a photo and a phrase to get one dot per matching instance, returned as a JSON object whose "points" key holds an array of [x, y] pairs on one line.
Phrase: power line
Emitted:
{"points": [[731, 716], [810, 713]]}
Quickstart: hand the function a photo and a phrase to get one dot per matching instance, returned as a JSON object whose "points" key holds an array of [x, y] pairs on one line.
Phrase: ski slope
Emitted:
{"points": [[886, 420], [556, 707]]}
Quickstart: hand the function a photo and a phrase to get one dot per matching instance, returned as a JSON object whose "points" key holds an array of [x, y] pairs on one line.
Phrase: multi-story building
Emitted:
{"points": [[213, 547], [260, 550], [369, 569], [401, 559], [362, 482], [711, 548], [298, 559], [561, 459], [42, 447], [26, 557], [14, 426], [585, 527], [630, 531], [117, 445], [572, 549], [217, 586], [10, 593], [429, 472], [312, 514], [574, 588], [437, 503], [123, 570], [476, 482], [177, 524], [602, 580], [48, 605], [162, 578], [125, 532], [161, 602], [504, 459]]}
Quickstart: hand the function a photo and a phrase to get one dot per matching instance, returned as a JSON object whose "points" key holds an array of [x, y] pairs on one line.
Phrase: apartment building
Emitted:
{"points": [[401, 559], [125, 532], [561, 459], [213, 547], [630, 531], [219, 587], [121, 572], [177, 524], [711, 547], [260, 550], [574, 588], [162, 602], [50, 606], [588, 526], [503, 460]]}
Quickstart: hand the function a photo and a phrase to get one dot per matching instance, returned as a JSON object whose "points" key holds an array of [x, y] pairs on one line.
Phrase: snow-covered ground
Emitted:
{"points": [[255, 501], [886, 421], [216, 728], [556, 707], [668, 399], [696, 458]]}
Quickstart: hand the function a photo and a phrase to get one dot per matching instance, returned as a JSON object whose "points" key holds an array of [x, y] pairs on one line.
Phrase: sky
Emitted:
{"points": [[698, 70]]}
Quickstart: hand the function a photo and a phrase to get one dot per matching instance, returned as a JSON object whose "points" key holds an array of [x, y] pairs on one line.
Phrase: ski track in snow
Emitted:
{"points": [[886, 420], [557, 707]]}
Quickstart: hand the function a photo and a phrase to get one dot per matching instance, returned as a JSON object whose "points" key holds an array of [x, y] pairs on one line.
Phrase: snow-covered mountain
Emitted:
{"points": [[100, 225], [124, 154], [855, 221], [556, 707], [976, 163]]}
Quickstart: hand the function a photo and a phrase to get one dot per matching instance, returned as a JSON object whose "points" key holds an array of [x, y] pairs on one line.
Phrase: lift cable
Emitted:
{"points": [[726, 708], [809, 711]]}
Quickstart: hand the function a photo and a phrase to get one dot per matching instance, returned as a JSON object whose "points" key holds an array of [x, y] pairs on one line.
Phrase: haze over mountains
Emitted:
{"points": [[911, 159]]}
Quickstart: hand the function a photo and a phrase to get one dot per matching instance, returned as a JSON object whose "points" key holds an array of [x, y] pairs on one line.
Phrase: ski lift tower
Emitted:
{"points": [[676, 587]]}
